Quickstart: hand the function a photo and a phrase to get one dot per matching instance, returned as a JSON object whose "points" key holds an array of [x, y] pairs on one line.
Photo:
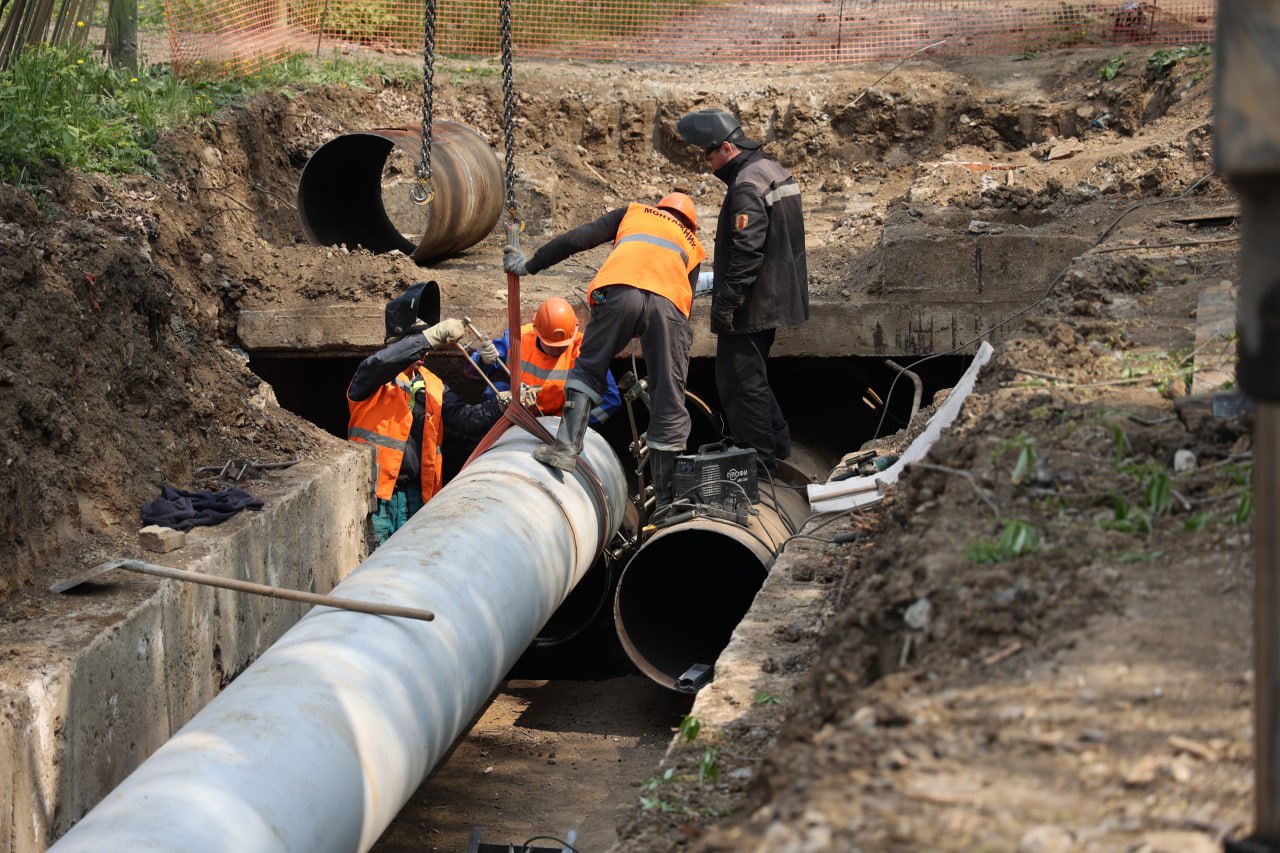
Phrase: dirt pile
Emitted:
{"points": [[1053, 693]]}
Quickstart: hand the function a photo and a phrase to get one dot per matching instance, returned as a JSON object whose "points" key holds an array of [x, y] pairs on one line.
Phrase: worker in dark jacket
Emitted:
{"points": [[644, 289], [403, 409], [761, 277]]}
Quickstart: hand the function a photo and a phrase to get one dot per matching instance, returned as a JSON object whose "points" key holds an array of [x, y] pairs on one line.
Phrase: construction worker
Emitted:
{"points": [[548, 348], [760, 277], [403, 409], [644, 289]]}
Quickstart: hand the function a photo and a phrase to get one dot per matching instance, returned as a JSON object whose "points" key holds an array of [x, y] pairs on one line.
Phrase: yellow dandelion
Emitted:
{"points": [[79, 23], [79, 62], [133, 79]]}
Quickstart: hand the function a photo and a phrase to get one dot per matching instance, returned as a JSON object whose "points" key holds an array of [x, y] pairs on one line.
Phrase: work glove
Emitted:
{"points": [[722, 323], [529, 395], [514, 261], [504, 400], [488, 353], [444, 333]]}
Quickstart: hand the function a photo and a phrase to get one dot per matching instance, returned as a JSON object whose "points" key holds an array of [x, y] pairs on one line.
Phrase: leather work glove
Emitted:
{"points": [[514, 261], [721, 324], [529, 395], [504, 400], [488, 353], [445, 332]]}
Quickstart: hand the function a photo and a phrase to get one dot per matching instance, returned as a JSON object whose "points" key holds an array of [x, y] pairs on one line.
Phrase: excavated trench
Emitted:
{"points": [[582, 721]]}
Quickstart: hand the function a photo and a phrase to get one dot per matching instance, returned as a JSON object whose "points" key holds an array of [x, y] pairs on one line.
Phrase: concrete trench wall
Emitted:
{"points": [[77, 728]]}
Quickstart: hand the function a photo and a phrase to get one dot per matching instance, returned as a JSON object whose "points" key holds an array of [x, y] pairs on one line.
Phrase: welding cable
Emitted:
{"points": [[564, 845], [1195, 185]]}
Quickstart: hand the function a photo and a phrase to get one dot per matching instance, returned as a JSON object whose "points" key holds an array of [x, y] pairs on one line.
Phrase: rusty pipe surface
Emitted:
{"points": [[685, 590], [347, 195], [321, 741]]}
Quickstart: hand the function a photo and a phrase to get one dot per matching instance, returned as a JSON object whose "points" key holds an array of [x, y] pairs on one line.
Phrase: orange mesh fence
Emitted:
{"points": [[241, 35]]}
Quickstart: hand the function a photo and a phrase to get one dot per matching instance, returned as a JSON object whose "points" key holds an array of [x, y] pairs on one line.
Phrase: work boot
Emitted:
{"points": [[662, 466], [563, 454]]}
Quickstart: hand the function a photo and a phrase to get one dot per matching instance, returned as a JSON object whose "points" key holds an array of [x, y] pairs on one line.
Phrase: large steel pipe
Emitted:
{"points": [[343, 196], [686, 589], [318, 744]]}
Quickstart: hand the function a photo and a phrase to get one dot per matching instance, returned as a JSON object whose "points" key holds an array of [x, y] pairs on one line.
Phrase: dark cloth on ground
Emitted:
{"points": [[183, 510]]}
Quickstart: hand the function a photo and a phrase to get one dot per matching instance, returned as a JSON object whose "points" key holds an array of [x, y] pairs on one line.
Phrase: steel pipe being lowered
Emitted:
{"points": [[318, 744], [343, 196], [686, 589]]}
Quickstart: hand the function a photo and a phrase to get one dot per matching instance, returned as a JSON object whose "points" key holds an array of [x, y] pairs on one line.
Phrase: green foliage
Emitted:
{"points": [[709, 766], [689, 728], [1126, 518], [768, 699], [1156, 484], [1197, 522], [1025, 56], [654, 782], [369, 21], [656, 803], [1111, 69], [1121, 448], [1026, 464], [1017, 538], [1067, 26], [1162, 61], [1244, 511], [151, 16], [64, 108]]}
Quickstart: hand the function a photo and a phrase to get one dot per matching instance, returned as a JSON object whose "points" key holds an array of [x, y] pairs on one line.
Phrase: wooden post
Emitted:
{"points": [[1247, 137], [122, 33]]}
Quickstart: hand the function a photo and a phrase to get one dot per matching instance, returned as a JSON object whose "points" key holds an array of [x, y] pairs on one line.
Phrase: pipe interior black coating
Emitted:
{"points": [[680, 598], [340, 195], [580, 609]]}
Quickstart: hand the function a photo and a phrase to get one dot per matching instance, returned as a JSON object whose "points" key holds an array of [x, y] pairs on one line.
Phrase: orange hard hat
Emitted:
{"points": [[555, 323], [683, 205]]}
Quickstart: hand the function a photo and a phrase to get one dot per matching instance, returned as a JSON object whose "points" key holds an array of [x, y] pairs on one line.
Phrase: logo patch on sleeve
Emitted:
{"points": [[740, 221]]}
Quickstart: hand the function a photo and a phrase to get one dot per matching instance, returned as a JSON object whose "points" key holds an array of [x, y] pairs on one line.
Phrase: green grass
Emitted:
{"points": [[63, 108]]}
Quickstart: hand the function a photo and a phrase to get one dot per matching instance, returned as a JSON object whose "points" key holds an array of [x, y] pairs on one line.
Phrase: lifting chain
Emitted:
{"points": [[508, 112], [422, 192]]}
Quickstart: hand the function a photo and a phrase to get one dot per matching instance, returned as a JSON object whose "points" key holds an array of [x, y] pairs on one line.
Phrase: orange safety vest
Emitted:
{"points": [[385, 419], [653, 251], [538, 368]]}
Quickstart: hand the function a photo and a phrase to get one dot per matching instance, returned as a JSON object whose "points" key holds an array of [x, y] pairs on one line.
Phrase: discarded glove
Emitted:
{"points": [[488, 353], [722, 324], [514, 261], [445, 332]]}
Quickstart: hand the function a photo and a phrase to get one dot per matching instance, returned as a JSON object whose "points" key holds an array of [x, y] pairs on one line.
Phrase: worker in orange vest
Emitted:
{"points": [[644, 289], [403, 409], [548, 348]]}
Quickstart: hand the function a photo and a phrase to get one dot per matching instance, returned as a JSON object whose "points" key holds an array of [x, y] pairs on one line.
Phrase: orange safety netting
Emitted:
{"points": [[230, 36]]}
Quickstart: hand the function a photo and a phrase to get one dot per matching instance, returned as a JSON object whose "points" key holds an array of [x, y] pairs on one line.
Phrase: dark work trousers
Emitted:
{"points": [[752, 412], [618, 314]]}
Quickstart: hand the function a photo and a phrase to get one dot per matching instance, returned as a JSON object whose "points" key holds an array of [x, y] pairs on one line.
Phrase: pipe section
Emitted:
{"points": [[318, 744], [343, 197], [686, 589]]}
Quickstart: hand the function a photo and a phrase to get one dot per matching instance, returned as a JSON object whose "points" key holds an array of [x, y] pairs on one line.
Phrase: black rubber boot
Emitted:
{"points": [[563, 454], [662, 466]]}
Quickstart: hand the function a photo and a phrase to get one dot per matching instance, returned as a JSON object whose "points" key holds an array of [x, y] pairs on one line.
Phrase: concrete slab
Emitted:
{"points": [[123, 668]]}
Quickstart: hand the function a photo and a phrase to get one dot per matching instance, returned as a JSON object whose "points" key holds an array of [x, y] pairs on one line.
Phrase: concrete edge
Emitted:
{"points": [[77, 728]]}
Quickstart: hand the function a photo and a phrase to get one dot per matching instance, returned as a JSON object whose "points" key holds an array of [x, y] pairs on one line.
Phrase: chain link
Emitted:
{"points": [[422, 192], [508, 110]]}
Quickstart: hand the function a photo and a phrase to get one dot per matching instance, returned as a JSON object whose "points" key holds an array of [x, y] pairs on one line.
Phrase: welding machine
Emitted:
{"points": [[716, 476]]}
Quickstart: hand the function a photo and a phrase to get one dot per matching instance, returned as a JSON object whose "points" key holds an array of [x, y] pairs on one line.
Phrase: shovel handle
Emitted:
{"points": [[271, 591]]}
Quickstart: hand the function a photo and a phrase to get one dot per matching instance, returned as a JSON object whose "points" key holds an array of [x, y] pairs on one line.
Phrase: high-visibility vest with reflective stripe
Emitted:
{"points": [[538, 368], [653, 252], [385, 419]]}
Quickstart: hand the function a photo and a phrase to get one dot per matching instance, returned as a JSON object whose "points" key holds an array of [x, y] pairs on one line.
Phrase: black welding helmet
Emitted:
{"points": [[710, 128], [413, 311]]}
